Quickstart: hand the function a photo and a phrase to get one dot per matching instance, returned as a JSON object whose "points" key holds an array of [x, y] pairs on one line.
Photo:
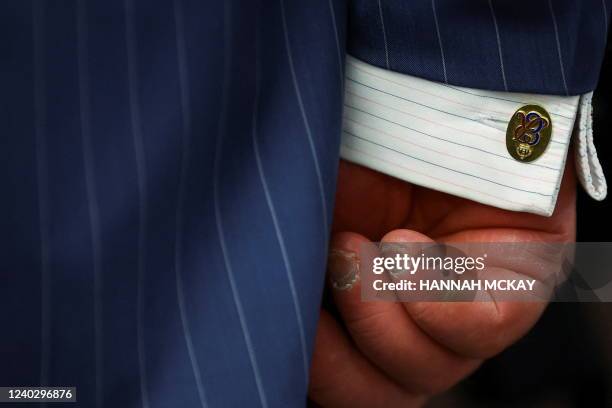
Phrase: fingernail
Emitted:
{"points": [[342, 269], [392, 250]]}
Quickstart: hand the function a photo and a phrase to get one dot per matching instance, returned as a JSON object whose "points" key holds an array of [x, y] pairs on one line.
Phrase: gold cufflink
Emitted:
{"points": [[528, 133]]}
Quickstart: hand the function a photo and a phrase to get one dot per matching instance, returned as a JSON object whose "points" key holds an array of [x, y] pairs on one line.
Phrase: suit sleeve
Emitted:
{"points": [[432, 90]]}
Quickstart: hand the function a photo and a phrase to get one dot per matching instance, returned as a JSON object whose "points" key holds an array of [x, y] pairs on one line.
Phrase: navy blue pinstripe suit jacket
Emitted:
{"points": [[168, 170]]}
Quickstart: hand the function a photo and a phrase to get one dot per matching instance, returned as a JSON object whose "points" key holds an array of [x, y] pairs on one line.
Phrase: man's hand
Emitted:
{"points": [[396, 354]]}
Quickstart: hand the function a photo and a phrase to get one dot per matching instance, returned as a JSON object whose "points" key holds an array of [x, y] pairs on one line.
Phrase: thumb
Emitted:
{"points": [[341, 377], [477, 329], [383, 331]]}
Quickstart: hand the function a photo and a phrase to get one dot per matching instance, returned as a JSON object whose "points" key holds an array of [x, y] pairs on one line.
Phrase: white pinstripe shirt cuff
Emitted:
{"points": [[453, 139]]}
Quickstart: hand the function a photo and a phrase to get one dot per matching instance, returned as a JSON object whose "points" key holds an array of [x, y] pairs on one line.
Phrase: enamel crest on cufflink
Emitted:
{"points": [[528, 133]]}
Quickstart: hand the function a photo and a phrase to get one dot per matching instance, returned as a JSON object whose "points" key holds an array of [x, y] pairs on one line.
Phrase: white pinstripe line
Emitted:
{"points": [[335, 27], [435, 16], [384, 33], [305, 120], [40, 119], [92, 195], [277, 230], [499, 46], [554, 20], [184, 88], [227, 63], [142, 192]]}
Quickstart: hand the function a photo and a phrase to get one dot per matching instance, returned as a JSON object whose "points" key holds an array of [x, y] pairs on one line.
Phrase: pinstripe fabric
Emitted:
{"points": [[272, 208], [150, 252], [439, 38], [559, 51], [383, 31], [165, 237], [543, 46], [499, 46], [400, 124], [185, 86], [136, 129], [228, 264], [298, 93]]}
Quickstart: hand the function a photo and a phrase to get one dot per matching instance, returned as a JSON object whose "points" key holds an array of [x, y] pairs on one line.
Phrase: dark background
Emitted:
{"points": [[566, 360]]}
